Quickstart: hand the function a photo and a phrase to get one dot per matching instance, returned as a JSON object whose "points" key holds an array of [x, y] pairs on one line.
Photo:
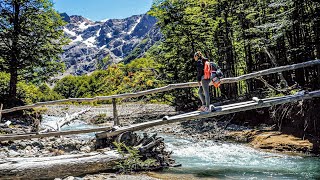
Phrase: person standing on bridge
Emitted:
{"points": [[203, 83]]}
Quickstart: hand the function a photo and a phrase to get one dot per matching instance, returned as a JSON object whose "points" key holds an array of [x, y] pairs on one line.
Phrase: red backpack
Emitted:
{"points": [[212, 72]]}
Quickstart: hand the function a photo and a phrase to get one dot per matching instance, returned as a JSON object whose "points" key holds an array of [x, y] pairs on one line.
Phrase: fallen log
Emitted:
{"points": [[220, 110], [57, 166]]}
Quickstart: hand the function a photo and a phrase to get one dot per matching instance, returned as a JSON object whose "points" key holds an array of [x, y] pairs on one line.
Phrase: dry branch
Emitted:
{"points": [[68, 119], [169, 87]]}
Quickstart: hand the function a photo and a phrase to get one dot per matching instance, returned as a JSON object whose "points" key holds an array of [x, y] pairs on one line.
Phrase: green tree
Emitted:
{"points": [[31, 40], [68, 86]]}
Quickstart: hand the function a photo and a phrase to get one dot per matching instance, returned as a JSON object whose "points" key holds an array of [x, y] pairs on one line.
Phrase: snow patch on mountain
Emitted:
{"points": [[90, 42], [103, 20], [84, 25], [138, 21], [102, 47], [69, 32], [79, 38], [98, 32]]}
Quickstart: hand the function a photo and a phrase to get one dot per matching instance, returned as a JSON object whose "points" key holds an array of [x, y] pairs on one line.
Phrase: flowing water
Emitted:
{"points": [[221, 160]]}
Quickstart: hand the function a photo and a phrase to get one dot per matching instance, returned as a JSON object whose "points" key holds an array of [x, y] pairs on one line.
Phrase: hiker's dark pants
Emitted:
{"points": [[204, 92]]}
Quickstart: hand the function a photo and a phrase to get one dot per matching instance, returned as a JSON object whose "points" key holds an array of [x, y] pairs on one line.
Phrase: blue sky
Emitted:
{"points": [[103, 9]]}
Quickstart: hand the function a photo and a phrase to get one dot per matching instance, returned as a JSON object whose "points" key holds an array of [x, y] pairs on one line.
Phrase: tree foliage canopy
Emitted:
{"points": [[31, 40], [242, 37], [140, 74]]}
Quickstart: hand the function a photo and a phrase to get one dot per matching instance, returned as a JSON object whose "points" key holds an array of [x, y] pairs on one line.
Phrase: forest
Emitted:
{"points": [[240, 36]]}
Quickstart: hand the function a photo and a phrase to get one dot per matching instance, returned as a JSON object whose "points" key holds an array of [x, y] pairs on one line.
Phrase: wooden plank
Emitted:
{"points": [[233, 105], [228, 105], [221, 110], [11, 137], [169, 87]]}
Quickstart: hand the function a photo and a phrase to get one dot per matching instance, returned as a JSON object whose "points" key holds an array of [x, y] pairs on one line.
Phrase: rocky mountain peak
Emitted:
{"points": [[79, 19], [114, 39]]}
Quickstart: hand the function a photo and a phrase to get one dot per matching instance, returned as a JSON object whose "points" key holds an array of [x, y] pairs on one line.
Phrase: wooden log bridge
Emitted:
{"points": [[220, 110]]}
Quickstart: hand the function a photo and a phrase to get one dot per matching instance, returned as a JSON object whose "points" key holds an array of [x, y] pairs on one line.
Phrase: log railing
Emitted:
{"points": [[11, 137], [166, 88]]}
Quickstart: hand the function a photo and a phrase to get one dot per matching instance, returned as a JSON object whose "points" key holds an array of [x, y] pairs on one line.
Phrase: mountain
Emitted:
{"points": [[114, 39]]}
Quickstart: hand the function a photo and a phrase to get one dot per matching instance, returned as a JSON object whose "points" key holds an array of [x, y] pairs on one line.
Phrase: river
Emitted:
{"points": [[221, 160]]}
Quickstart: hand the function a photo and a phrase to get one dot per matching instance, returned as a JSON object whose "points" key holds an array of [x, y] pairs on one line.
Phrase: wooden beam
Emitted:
{"points": [[115, 112], [270, 71], [169, 87], [11, 137], [220, 110]]}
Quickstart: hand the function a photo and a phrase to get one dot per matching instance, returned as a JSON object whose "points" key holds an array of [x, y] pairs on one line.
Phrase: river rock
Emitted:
{"points": [[70, 178], [28, 148], [13, 153], [85, 149], [13, 147], [38, 144]]}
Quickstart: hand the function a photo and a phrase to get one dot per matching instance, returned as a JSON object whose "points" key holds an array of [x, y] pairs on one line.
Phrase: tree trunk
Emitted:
{"points": [[13, 83], [14, 55], [57, 166]]}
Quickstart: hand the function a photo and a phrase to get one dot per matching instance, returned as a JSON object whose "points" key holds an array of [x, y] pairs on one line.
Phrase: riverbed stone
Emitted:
{"points": [[38, 144], [28, 148], [70, 178], [85, 149], [13, 147], [13, 153]]}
